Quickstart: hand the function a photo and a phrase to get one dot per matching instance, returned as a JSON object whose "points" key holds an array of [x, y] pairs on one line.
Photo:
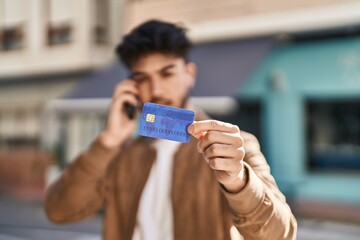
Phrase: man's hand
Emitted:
{"points": [[119, 125], [223, 149]]}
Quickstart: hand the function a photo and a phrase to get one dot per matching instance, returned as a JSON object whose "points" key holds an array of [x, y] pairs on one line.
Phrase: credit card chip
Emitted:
{"points": [[150, 118]]}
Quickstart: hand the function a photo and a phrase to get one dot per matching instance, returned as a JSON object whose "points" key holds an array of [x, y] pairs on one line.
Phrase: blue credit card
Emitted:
{"points": [[160, 121]]}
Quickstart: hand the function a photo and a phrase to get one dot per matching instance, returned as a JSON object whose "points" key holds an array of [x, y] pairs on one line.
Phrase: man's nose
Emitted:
{"points": [[156, 88]]}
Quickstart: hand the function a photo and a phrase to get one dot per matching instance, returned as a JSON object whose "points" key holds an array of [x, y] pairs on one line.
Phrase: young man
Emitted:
{"points": [[159, 189]]}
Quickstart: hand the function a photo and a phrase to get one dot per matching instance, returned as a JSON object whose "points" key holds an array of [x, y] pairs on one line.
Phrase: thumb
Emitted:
{"points": [[191, 131]]}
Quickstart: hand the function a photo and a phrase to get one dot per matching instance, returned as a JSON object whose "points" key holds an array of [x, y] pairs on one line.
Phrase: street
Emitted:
{"points": [[26, 221]]}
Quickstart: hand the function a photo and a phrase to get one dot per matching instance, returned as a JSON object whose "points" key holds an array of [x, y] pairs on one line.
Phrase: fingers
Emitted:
{"points": [[119, 101], [197, 128], [225, 164], [223, 151], [212, 137], [224, 157], [126, 87], [125, 91], [221, 144]]}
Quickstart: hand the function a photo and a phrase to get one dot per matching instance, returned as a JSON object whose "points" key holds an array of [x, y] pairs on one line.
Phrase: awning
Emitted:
{"points": [[222, 68]]}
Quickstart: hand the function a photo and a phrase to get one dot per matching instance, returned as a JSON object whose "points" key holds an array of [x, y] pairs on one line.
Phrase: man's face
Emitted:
{"points": [[163, 79]]}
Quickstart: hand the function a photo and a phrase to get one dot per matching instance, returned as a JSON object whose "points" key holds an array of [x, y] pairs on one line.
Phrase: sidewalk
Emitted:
{"points": [[310, 229], [21, 220]]}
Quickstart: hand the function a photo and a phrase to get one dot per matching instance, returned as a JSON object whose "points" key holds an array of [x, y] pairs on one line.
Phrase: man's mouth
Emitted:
{"points": [[162, 102]]}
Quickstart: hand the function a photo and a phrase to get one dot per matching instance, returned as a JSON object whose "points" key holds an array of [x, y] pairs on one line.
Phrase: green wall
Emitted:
{"points": [[290, 75]]}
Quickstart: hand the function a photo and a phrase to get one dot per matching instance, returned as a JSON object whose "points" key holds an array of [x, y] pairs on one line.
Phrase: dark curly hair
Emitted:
{"points": [[153, 36]]}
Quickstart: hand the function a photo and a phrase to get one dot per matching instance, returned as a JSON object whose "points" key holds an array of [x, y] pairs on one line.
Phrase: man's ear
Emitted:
{"points": [[192, 71]]}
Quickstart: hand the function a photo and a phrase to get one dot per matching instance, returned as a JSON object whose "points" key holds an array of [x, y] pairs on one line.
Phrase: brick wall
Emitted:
{"points": [[22, 173]]}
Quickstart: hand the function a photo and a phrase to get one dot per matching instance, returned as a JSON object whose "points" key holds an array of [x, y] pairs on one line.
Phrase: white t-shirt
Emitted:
{"points": [[155, 216]]}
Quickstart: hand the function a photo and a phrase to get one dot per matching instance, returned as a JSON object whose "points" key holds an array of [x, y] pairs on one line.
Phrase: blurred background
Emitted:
{"points": [[287, 71]]}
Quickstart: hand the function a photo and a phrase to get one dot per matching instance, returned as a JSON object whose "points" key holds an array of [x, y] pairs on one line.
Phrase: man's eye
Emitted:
{"points": [[167, 74], [140, 79]]}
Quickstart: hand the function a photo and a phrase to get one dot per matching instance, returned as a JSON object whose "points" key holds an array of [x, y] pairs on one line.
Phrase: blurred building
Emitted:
{"points": [[292, 71], [308, 90], [210, 20], [46, 47]]}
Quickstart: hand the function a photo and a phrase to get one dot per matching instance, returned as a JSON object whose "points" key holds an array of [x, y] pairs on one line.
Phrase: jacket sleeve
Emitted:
{"points": [[80, 191], [260, 210]]}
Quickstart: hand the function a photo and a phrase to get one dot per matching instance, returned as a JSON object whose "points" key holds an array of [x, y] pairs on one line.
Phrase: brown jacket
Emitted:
{"points": [[114, 180]]}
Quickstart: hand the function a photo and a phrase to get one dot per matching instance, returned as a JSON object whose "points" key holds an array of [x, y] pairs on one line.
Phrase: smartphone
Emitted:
{"points": [[130, 110]]}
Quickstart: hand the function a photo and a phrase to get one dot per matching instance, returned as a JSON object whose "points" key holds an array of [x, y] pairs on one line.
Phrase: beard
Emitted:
{"points": [[185, 100], [168, 102]]}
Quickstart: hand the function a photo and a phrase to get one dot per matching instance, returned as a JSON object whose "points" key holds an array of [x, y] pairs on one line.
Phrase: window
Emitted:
{"points": [[19, 128], [60, 18], [101, 14], [333, 137], [59, 35], [12, 38], [246, 116], [12, 24], [77, 131]]}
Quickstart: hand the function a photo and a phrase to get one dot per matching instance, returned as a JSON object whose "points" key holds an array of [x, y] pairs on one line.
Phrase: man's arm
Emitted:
{"points": [[80, 191], [259, 208]]}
